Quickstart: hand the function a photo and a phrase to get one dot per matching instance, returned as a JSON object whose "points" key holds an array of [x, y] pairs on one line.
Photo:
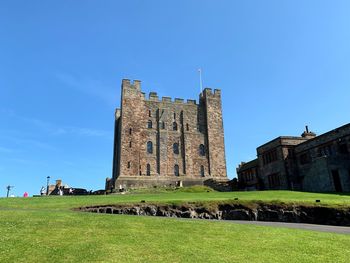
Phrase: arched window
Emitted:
{"points": [[129, 164], [149, 147], [148, 172], [176, 170], [176, 148], [149, 124], [163, 125], [201, 150], [174, 126], [130, 131], [202, 171]]}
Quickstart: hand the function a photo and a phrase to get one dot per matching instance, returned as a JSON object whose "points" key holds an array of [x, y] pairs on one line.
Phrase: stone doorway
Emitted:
{"points": [[336, 181]]}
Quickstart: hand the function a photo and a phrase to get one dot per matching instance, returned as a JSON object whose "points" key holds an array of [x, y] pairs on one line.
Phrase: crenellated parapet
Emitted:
{"points": [[178, 100], [154, 97], [136, 84], [191, 102], [131, 89], [166, 99], [208, 93]]}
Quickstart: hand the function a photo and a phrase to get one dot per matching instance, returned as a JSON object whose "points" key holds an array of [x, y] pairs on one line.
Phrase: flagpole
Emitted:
{"points": [[200, 79]]}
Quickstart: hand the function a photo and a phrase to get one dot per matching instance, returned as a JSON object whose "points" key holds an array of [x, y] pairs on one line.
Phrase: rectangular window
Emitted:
{"points": [[270, 156]]}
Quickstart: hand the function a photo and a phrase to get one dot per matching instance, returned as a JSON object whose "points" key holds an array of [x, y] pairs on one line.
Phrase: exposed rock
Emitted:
{"points": [[232, 211]]}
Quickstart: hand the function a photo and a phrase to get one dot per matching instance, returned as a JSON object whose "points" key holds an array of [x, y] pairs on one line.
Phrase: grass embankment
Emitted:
{"points": [[178, 196], [45, 229]]}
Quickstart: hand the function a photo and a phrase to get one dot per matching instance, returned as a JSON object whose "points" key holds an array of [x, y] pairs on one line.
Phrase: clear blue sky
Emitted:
{"points": [[280, 65]]}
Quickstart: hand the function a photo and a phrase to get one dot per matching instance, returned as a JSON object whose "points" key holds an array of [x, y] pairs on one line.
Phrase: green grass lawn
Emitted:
{"points": [[45, 229]]}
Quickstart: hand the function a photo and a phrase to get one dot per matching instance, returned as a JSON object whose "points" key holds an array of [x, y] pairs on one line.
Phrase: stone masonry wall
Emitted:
{"points": [[214, 122]]}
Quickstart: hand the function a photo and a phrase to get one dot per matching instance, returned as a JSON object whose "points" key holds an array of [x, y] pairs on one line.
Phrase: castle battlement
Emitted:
{"points": [[153, 96], [166, 99], [208, 92], [178, 100], [191, 102], [217, 92], [136, 84]]}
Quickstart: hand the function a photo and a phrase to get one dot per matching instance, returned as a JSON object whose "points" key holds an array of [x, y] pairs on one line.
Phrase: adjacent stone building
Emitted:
{"points": [[308, 163], [160, 142]]}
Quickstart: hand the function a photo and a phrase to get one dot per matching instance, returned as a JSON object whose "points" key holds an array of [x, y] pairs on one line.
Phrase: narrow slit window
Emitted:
{"points": [[202, 150], [149, 147], [202, 171], [176, 170], [176, 148], [148, 172]]}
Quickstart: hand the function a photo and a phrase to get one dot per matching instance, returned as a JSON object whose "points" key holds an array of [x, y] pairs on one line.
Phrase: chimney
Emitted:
{"points": [[308, 134]]}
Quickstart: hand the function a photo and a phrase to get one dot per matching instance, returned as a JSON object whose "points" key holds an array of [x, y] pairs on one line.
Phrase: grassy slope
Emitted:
{"points": [[76, 201], [45, 229]]}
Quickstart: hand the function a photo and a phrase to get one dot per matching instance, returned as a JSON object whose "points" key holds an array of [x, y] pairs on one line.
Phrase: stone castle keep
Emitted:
{"points": [[160, 142]]}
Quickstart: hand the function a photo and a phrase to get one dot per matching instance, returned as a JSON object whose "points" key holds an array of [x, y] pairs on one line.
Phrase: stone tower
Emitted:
{"points": [[160, 142]]}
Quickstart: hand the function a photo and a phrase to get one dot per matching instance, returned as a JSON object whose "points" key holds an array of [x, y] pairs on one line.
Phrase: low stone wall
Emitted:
{"points": [[137, 182], [227, 211]]}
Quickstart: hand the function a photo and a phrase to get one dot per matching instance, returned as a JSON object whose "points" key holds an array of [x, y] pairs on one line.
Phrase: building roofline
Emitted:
{"points": [[248, 165], [324, 134], [282, 137]]}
